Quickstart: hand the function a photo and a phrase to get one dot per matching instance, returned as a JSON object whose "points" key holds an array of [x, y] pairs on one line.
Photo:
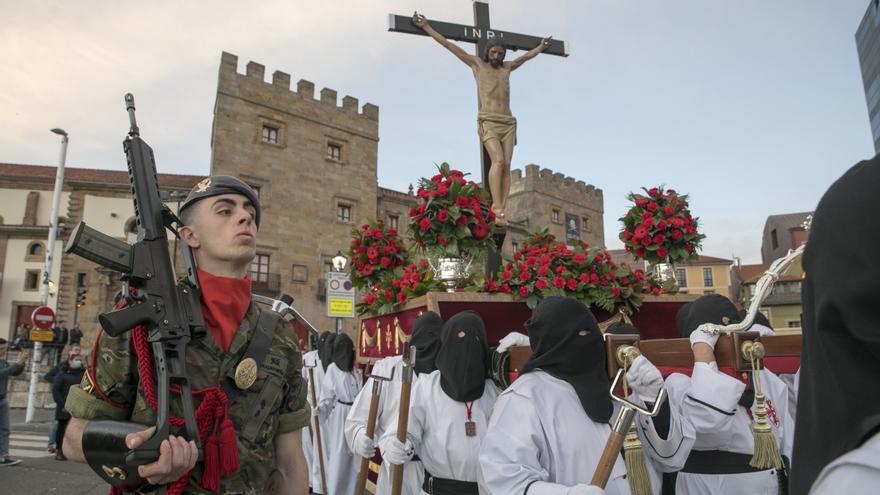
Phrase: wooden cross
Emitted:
{"points": [[479, 34]]}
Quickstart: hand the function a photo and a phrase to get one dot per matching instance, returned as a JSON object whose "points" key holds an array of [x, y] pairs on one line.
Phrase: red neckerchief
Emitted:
{"points": [[225, 301]]}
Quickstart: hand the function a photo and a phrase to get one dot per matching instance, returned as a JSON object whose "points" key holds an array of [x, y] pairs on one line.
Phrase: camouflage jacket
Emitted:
{"points": [[115, 373]]}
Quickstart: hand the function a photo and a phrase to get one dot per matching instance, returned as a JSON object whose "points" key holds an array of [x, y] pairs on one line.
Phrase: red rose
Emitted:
{"points": [[441, 240], [505, 288], [690, 229], [368, 270], [612, 276], [359, 265], [585, 278], [626, 235], [524, 276], [560, 269], [641, 201], [378, 233], [662, 253], [361, 249], [656, 291], [676, 235], [443, 215], [480, 230], [541, 284], [579, 258], [531, 260], [401, 297], [372, 253], [640, 253], [558, 282], [654, 192], [436, 178], [572, 284], [523, 291], [594, 279], [491, 285], [615, 291], [506, 275], [652, 206], [423, 264], [462, 220], [543, 271], [669, 211], [369, 299], [645, 241], [425, 224], [385, 261], [413, 212], [462, 202], [662, 225], [689, 248], [647, 216], [659, 239]]}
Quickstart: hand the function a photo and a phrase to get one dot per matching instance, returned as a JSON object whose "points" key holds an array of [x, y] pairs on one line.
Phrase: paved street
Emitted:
{"points": [[39, 473]]}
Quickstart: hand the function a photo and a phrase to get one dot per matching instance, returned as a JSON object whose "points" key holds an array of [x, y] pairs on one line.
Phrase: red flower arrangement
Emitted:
{"points": [[398, 287], [659, 227], [453, 218], [375, 251], [542, 267]]}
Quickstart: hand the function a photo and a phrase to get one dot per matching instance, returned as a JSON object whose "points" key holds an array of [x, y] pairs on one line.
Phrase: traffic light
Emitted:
{"points": [[80, 296]]}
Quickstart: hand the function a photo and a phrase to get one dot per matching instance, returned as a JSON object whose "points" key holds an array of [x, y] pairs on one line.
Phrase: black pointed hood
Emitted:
{"points": [[426, 338], [711, 308], [560, 350], [325, 348], [343, 352], [463, 359], [838, 407]]}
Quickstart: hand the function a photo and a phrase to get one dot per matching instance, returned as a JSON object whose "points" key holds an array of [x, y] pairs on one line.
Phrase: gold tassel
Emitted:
{"points": [[634, 459], [766, 454]]}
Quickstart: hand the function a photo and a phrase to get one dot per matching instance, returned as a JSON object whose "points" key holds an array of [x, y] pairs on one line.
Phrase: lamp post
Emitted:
{"points": [[339, 261], [47, 271]]}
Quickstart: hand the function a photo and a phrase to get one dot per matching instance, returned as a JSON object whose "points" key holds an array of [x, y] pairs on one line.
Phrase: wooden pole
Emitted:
{"points": [[612, 447], [371, 430], [403, 416], [317, 427]]}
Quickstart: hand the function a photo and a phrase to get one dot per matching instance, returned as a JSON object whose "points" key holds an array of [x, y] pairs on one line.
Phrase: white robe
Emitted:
{"points": [[708, 401], [437, 429], [386, 421], [853, 472], [342, 466], [541, 439], [310, 442]]}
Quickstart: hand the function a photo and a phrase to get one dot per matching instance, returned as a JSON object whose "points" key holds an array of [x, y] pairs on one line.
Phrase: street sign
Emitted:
{"points": [[43, 317], [340, 296]]}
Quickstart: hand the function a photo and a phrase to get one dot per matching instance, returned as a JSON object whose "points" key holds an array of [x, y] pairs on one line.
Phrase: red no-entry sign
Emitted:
{"points": [[43, 317]]}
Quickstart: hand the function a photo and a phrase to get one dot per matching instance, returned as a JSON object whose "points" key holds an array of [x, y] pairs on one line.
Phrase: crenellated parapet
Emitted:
{"points": [[544, 180]]}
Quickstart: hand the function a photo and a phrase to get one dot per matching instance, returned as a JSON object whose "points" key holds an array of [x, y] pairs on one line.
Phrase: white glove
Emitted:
{"points": [[645, 379], [699, 335], [316, 412], [395, 451], [513, 339], [585, 490], [364, 445]]}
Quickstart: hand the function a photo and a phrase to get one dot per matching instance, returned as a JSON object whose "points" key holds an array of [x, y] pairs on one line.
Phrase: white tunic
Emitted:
{"points": [[708, 401], [310, 449], [437, 429], [853, 472], [386, 421], [541, 439], [342, 466]]}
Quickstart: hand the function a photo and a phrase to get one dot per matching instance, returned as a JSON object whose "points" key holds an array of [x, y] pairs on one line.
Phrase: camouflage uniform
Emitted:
{"points": [[115, 373]]}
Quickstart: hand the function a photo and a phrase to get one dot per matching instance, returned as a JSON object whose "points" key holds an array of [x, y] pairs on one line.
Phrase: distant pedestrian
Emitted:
{"points": [[75, 350], [70, 373], [75, 335], [7, 370]]}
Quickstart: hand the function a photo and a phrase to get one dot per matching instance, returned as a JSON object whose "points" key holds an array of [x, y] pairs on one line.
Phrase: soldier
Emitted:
{"points": [[256, 427]]}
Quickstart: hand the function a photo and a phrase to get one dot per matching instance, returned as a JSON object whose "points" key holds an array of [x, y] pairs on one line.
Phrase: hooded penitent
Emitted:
{"points": [[711, 308], [622, 328], [463, 359], [681, 319], [325, 348], [343, 352], [567, 344], [426, 338], [838, 407]]}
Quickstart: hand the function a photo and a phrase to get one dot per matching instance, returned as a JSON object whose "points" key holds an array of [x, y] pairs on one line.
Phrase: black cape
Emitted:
{"points": [[463, 359], [559, 350], [838, 405], [343, 352], [426, 339]]}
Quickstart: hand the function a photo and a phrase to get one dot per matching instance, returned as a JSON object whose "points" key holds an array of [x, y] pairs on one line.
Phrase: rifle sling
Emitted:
{"points": [[256, 349]]}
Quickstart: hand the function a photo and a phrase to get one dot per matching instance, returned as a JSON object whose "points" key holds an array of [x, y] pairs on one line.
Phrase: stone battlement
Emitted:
{"points": [[537, 178], [305, 90]]}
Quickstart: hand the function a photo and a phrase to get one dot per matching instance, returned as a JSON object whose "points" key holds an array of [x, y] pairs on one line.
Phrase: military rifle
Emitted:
{"points": [[169, 310]]}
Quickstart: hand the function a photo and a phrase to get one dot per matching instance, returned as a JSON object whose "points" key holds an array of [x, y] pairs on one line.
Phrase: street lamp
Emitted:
{"points": [[339, 261], [47, 271]]}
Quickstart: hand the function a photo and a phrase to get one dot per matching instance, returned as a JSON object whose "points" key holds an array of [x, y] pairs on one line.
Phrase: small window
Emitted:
{"points": [[774, 240], [393, 221], [681, 277], [80, 279], [270, 134], [707, 278], [586, 224], [514, 246], [31, 279], [334, 151], [343, 212], [554, 216], [259, 270], [35, 249], [793, 323]]}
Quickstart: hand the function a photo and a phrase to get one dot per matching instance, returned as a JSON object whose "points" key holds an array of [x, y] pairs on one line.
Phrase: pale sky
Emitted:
{"points": [[754, 107]]}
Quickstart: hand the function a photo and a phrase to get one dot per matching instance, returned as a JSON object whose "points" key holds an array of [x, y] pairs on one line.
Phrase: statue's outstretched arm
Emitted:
{"points": [[525, 57], [422, 22]]}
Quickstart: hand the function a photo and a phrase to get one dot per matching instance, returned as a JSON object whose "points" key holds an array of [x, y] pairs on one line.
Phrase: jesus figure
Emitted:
{"points": [[496, 125]]}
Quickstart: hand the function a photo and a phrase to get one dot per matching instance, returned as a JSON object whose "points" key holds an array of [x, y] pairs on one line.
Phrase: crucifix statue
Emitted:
{"points": [[496, 125]]}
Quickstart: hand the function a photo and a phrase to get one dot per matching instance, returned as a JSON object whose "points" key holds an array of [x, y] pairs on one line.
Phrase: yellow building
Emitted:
{"points": [[706, 275]]}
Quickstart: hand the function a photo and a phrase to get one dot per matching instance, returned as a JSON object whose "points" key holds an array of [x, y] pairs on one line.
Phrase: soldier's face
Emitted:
{"points": [[222, 230]]}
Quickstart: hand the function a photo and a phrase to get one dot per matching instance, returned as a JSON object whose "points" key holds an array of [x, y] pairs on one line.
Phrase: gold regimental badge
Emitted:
{"points": [[246, 373], [203, 185]]}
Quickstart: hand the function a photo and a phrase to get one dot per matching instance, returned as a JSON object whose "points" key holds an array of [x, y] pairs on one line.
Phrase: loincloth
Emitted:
{"points": [[494, 125]]}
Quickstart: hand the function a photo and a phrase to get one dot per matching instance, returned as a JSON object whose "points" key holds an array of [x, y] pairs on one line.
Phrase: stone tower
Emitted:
{"points": [[313, 163]]}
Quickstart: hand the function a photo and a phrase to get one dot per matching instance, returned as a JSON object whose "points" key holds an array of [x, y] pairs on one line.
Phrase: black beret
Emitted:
{"points": [[222, 184]]}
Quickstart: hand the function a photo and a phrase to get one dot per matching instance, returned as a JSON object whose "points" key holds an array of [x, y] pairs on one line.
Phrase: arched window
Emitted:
{"points": [[35, 249]]}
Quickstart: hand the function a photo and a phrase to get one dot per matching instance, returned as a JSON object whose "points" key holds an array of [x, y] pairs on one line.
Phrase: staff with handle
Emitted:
{"points": [[371, 429], [409, 360], [317, 426]]}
